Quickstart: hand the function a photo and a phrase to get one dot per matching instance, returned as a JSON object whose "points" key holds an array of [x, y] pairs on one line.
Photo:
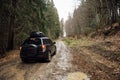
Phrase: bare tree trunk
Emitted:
{"points": [[11, 27], [3, 31], [11, 35], [2, 44]]}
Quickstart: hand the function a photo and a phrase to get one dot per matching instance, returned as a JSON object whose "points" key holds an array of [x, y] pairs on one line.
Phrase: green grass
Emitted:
{"points": [[77, 42]]}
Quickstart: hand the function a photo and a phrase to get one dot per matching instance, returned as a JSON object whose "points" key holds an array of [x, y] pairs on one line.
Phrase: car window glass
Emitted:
{"points": [[50, 41], [46, 41], [38, 42]]}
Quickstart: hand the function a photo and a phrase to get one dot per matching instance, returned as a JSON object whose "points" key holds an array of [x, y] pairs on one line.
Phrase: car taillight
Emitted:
{"points": [[43, 48]]}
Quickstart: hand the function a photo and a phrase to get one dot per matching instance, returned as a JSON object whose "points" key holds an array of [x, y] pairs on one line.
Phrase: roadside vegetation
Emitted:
{"points": [[109, 48], [98, 58], [10, 56], [78, 42]]}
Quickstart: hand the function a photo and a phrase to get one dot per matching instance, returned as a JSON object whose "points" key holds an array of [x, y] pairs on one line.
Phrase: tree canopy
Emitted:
{"points": [[92, 15], [20, 17]]}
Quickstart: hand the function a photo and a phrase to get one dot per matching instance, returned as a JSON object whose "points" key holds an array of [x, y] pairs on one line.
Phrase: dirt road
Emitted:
{"points": [[58, 69], [75, 63]]}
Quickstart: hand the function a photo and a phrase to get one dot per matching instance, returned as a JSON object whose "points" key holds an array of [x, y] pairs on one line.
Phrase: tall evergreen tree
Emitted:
{"points": [[93, 15], [19, 17]]}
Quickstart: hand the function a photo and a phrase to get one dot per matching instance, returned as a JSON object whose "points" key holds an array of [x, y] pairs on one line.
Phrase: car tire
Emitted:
{"points": [[54, 52], [49, 57]]}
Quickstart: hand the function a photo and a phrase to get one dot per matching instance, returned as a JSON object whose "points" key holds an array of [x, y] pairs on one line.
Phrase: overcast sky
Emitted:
{"points": [[65, 7]]}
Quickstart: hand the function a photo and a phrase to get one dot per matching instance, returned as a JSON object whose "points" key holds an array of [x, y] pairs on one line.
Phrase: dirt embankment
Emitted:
{"points": [[109, 30], [100, 59]]}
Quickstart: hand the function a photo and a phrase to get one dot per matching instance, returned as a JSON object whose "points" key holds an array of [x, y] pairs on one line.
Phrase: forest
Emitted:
{"points": [[93, 16], [20, 17]]}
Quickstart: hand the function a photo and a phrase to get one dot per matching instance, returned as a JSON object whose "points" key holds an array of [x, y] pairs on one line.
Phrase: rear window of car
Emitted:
{"points": [[32, 41], [47, 41]]}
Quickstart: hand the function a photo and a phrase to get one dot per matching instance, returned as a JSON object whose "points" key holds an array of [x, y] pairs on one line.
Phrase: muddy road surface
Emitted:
{"points": [[97, 61], [58, 69]]}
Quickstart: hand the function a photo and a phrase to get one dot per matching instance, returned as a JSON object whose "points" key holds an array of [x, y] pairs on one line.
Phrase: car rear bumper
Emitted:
{"points": [[39, 56]]}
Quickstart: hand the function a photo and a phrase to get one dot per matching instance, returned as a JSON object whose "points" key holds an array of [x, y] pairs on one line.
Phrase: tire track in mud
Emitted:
{"points": [[58, 69], [16, 70]]}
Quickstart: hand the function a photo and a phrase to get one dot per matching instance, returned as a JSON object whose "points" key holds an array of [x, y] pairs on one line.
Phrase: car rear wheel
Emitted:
{"points": [[49, 57], [54, 53]]}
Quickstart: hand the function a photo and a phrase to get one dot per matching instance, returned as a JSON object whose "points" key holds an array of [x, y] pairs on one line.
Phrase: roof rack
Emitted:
{"points": [[37, 34]]}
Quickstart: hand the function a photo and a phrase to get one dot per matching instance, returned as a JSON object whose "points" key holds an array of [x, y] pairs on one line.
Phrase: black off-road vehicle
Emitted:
{"points": [[37, 47]]}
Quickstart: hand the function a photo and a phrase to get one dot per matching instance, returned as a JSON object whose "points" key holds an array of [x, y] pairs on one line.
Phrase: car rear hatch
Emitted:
{"points": [[31, 47], [29, 50]]}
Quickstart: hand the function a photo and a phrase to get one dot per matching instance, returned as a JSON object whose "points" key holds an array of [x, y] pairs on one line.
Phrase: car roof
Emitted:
{"points": [[44, 37], [39, 37], [36, 32]]}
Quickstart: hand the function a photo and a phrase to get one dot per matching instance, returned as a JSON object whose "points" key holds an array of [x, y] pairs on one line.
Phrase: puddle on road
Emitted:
{"points": [[65, 65], [60, 68], [77, 76], [65, 57]]}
